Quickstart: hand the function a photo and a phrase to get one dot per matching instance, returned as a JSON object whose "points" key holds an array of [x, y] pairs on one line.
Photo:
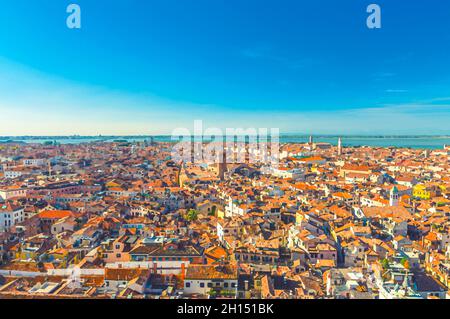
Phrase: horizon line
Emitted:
{"points": [[281, 134]]}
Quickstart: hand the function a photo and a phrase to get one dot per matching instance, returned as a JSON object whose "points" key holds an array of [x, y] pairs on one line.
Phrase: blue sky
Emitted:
{"points": [[147, 67]]}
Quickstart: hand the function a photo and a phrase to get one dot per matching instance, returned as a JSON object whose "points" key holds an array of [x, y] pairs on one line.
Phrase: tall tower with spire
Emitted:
{"points": [[223, 164], [311, 141], [340, 147], [182, 177], [393, 197]]}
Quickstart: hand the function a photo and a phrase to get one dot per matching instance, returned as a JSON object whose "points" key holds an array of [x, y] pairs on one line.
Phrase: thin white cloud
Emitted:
{"points": [[33, 103], [396, 91]]}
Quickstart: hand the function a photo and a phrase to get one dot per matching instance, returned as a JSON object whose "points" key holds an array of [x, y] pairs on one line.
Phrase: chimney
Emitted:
{"points": [[183, 271], [246, 285]]}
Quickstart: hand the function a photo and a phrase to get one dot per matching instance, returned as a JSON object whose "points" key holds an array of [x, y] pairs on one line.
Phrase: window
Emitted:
{"points": [[225, 285], [202, 285], [188, 284], [233, 285], [209, 285]]}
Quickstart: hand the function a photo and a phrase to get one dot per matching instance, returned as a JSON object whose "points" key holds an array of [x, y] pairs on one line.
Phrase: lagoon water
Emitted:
{"points": [[416, 142]]}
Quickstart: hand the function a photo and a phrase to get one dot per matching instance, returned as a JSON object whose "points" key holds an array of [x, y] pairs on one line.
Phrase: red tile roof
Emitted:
{"points": [[55, 214]]}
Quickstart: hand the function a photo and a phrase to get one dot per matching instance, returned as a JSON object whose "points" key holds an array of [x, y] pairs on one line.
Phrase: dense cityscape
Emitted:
{"points": [[126, 220]]}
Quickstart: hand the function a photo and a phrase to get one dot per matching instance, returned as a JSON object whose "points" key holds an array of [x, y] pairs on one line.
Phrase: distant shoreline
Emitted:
{"points": [[290, 135], [431, 142]]}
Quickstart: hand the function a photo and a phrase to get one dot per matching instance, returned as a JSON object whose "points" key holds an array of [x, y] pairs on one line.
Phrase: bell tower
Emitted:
{"points": [[223, 163], [393, 197], [182, 177], [340, 147]]}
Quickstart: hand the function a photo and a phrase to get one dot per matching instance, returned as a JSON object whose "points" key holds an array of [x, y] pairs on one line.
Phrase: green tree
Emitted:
{"points": [[405, 263], [192, 215]]}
